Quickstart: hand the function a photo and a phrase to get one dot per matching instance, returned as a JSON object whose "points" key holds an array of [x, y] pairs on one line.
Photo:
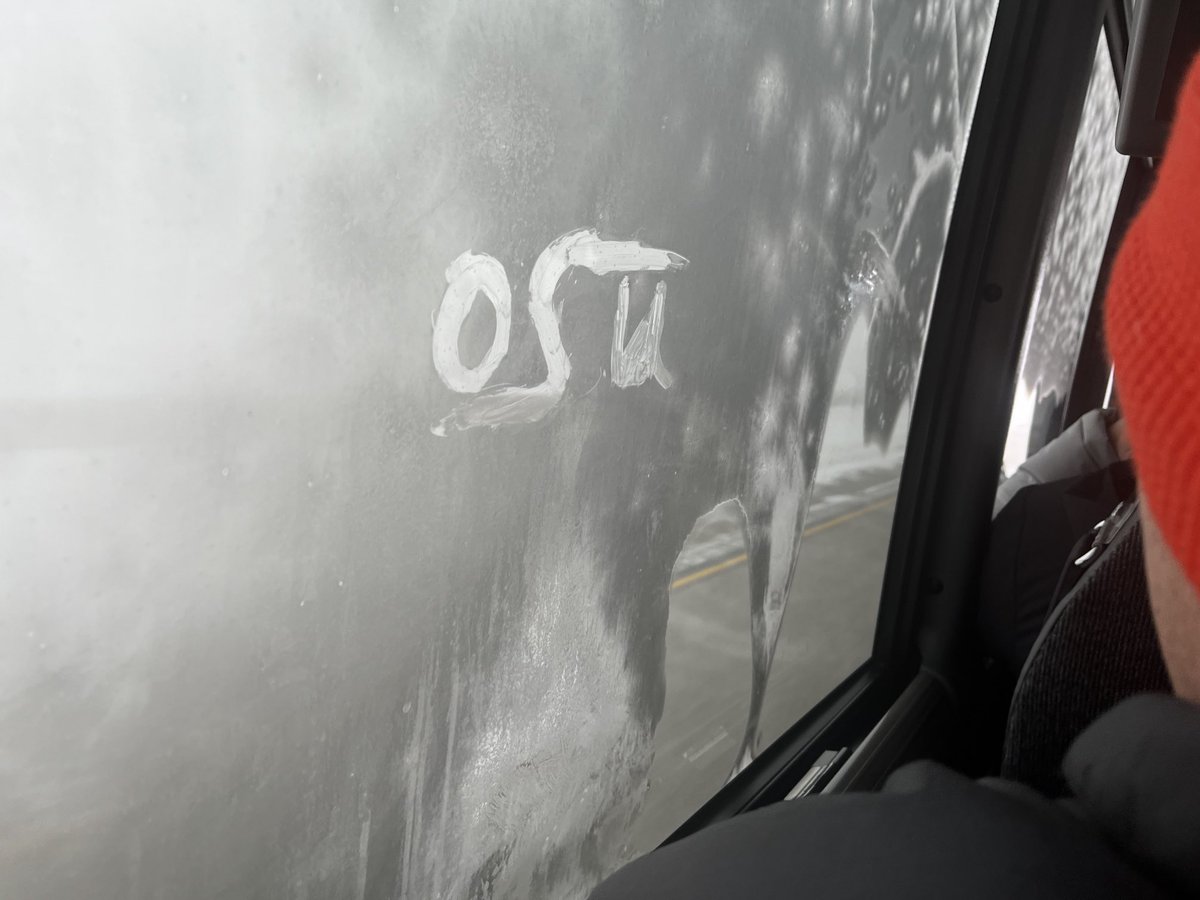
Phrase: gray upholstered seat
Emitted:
{"points": [[1097, 647]]}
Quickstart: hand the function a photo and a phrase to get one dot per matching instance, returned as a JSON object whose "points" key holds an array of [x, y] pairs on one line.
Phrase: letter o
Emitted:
{"points": [[466, 277]]}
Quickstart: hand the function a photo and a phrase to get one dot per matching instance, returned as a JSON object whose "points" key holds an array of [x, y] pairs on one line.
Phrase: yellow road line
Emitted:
{"points": [[724, 564], [708, 571], [848, 517]]}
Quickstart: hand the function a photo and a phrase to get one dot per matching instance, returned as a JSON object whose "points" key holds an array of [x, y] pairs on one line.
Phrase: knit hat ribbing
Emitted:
{"points": [[1153, 326]]}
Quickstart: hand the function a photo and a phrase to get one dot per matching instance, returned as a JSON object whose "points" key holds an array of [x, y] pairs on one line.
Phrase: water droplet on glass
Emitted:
{"points": [[872, 274], [225, 472]]}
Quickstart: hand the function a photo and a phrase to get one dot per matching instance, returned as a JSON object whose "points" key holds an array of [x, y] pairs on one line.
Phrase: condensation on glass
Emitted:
{"points": [[1069, 266], [373, 375]]}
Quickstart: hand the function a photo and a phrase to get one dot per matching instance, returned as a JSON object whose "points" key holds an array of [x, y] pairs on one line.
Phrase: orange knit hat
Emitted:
{"points": [[1153, 325]]}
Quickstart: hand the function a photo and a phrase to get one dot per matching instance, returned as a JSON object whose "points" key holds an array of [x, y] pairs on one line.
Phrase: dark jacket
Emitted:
{"points": [[1132, 829], [1033, 541]]}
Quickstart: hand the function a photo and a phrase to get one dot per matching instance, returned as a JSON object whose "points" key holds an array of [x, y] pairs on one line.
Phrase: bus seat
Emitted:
{"points": [[1097, 647]]}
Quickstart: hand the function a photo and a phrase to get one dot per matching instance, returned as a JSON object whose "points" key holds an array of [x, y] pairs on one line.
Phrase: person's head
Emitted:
{"points": [[1153, 325]]}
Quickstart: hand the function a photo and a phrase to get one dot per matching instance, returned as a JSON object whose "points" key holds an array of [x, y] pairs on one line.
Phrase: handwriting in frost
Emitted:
{"points": [[632, 363]]}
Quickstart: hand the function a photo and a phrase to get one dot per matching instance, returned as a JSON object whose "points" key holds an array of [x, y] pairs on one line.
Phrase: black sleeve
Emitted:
{"points": [[1031, 540], [950, 838]]}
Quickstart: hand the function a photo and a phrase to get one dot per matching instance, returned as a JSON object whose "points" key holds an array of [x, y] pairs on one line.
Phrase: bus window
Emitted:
{"points": [[443, 441], [1069, 268]]}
